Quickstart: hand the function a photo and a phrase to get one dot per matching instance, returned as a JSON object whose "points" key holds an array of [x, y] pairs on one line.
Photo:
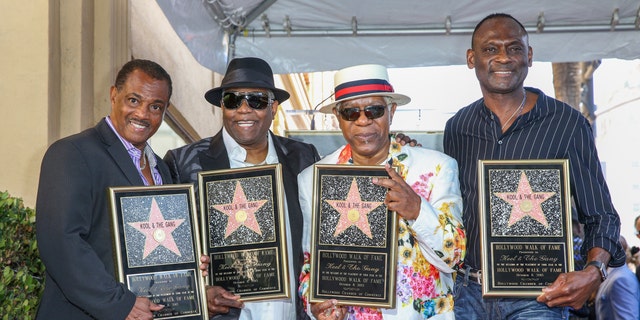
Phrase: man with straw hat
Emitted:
{"points": [[424, 192]]}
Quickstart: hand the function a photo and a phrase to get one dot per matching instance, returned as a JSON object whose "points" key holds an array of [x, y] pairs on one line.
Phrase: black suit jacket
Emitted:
{"points": [[73, 225], [211, 154]]}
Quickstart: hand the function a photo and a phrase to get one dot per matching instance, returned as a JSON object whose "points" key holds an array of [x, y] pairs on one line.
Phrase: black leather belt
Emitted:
{"points": [[471, 274]]}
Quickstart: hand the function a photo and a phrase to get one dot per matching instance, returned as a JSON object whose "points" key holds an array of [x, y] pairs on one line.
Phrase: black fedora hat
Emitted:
{"points": [[246, 73]]}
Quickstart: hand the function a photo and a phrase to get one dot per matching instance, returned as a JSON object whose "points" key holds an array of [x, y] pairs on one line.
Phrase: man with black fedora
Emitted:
{"points": [[249, 101]]}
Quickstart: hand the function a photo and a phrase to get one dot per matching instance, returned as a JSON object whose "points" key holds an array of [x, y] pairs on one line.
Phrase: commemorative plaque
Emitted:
{"points": [[244, 226], [525, 225], [157, 249], [354, 238]]}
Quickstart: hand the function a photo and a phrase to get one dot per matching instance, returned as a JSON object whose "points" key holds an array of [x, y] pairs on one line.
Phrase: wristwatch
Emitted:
{"points": [[601, 267]]}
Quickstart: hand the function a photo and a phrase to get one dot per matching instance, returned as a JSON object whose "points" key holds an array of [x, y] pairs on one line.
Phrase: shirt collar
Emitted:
{"points": [[134, 152], [536, 112], [237, 154]]}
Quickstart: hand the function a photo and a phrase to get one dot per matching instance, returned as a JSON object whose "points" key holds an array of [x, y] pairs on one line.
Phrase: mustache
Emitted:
{"points": [[141, 122]]}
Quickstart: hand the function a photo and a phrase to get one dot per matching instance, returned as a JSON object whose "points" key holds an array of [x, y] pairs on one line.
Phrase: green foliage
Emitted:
{"points": [[21, 271]]}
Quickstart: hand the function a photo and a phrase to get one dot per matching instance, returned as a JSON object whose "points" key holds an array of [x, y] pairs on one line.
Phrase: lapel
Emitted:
{"points": [[294, 214], [118, 153], [216, 156], [287, 172]]}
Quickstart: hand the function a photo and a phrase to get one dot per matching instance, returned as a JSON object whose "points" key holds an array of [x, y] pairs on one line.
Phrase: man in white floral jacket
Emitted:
{"points": [[425, 193]]}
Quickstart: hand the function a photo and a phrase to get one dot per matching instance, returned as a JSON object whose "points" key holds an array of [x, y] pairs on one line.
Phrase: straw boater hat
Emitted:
{"points": [[246, 73], [363, 81]]}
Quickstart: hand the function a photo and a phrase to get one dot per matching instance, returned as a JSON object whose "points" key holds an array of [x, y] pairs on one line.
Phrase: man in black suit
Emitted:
{"points": [[249, 102], [72, 206]]}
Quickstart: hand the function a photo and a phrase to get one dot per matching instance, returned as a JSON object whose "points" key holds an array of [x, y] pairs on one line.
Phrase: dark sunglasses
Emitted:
{"points": [[255, 100], [371, 112]]}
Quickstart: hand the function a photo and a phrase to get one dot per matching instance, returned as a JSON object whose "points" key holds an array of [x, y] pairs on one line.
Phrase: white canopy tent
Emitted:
{"points": [[322, 35]]}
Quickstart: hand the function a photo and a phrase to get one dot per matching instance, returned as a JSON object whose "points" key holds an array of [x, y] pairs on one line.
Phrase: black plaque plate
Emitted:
{"points": [[155, 233], [525, 225], [245, 231], [354, 238]]}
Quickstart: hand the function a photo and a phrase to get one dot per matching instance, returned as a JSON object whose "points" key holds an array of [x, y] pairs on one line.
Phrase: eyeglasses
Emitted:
{"points": [[255, 100], [371, 112]]}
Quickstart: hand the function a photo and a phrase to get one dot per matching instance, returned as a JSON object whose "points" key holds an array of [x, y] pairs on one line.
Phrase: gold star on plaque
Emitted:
{"points": [[157, 231], [525, 202], [241, 212], [353, 211]]}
